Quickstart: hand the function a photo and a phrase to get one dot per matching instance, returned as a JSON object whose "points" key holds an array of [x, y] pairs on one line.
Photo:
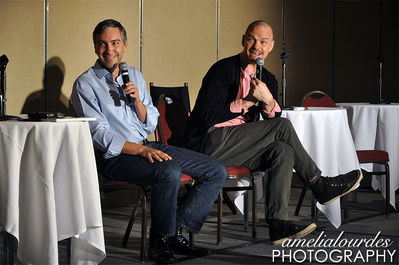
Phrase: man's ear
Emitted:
{"points": [[271, 46], [243, 40]]}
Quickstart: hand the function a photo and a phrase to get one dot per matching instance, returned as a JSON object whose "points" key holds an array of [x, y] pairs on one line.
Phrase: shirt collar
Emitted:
{"points": [[99, 69], [247, 72]]}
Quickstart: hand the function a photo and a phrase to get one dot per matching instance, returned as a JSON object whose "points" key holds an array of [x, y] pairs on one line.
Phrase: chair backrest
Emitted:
{"points": [[317, 98], [179, 92], [172, 121]]}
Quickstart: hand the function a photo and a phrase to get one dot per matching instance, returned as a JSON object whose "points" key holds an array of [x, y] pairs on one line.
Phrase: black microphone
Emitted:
{"points": [[259, 66], [125, 78], [3, 60]]}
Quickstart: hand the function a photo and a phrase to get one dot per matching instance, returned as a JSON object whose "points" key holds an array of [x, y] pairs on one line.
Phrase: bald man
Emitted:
{"points": [[225, 125]]}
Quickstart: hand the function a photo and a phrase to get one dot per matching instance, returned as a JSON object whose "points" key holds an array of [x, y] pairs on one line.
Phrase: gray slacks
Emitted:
{"points": [[269, 145]]}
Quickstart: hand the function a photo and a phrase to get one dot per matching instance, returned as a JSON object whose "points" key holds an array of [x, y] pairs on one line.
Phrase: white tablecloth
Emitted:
{"points": [[49, 191], [325, 135], [377, 127]]}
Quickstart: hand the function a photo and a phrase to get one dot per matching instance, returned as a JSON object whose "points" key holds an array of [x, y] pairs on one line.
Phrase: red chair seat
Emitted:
{"points": [[365, 156], [185, 177], [237, 170], [321, 102]]}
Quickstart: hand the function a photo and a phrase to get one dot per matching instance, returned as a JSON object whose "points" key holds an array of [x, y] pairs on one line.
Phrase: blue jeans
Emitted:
{"points": [[164, 177]]}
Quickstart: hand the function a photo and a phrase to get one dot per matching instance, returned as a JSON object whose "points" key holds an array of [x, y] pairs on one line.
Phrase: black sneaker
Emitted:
{"points": [[181, 245], [280, 231], [327, 189], [159, 250]]}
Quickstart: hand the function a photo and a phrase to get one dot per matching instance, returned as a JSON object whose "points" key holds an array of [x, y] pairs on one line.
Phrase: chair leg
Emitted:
{"points": [[254, 210], [223, 195], [129, 227], [314, 208], [219, 221], [143, 241], [229, 203], [387, 190], [300, 201], [246, 211], [191, 238], [345, 206]]}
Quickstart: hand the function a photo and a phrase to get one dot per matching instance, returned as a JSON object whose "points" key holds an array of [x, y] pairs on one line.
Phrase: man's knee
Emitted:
{"points": [[218, 171], [285, 124], [221, 172], [168, 172], [281, 149], [280, 153]]}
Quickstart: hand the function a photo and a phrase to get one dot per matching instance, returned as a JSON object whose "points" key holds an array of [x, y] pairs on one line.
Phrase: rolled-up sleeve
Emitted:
{"points": [[151, 121], [271, 114]]}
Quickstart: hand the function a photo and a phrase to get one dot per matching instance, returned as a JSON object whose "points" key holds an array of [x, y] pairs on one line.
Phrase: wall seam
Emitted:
{"points": [[217, 29], [46, 18], [333, 52], [141, 41]]}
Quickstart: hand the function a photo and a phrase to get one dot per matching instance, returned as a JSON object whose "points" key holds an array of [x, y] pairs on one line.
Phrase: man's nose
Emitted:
{"points": [[256, 44]]}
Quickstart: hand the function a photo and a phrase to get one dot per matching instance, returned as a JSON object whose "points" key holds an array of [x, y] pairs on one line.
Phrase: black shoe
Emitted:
{"points": [[181, 245], [159, 250], [326, 189], [280, 231]]}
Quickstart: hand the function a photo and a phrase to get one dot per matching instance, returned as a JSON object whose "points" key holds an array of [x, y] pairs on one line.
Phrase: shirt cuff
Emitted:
{"points": [[272, 113], [115, 147]]}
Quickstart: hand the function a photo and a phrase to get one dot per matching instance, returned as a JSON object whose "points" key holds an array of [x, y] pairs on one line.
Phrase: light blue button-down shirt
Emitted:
{"points": [[95, 94]]}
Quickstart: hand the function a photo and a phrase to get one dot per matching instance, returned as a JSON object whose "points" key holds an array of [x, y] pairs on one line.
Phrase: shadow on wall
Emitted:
{"points": [[53, 78]]}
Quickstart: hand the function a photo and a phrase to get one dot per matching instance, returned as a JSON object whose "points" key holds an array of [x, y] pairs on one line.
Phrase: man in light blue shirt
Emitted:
{"points": [[123, 153]]}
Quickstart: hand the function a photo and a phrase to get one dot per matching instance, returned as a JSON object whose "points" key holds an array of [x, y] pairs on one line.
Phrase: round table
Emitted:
{"points": [[376, 126], [49, 191]]}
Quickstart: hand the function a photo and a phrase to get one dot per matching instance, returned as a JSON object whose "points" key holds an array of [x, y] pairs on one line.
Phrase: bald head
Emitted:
{"points": [[259, 23]]}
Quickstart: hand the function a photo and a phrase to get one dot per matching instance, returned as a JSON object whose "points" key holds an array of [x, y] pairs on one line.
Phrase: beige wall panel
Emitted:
{"points": [[70, 38], [235, 15], [179, 42], [21, 39]]}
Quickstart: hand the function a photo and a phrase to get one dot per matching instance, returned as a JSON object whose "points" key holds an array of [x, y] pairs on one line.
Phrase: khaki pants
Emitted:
{"points": [[271, 146]]}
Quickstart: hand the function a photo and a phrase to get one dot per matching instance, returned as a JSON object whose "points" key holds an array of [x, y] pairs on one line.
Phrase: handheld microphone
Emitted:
{"points": [[125, 77], [259, 66]]}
